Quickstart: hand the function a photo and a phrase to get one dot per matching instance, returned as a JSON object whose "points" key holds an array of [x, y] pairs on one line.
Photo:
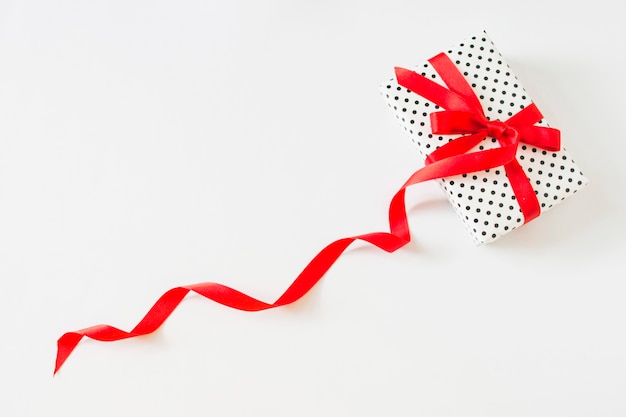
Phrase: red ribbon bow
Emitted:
{"points": [[463, 115]]}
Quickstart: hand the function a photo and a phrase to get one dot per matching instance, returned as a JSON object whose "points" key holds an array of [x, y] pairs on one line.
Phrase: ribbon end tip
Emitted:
{"points": [[58, 365], [399, 71]]}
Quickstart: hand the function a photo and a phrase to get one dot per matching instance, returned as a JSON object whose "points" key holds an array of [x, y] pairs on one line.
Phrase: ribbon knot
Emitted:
{"points": [[497, 129]]}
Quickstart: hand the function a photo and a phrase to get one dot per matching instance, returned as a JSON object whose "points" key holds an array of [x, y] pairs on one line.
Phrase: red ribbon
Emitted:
{"points": [[463, 115]]}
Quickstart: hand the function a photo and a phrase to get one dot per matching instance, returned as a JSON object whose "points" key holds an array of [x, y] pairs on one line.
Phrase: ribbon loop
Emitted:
{"points": [[453, 122]]}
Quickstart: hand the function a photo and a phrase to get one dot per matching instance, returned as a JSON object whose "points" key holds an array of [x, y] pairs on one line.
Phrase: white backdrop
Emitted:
{"points": [[150, 144]]}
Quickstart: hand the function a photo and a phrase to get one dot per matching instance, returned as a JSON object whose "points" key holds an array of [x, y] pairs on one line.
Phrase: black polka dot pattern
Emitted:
{"points": [[485, 200]]}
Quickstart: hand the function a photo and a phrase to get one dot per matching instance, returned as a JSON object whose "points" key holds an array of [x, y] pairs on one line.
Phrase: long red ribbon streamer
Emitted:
{"points": [[463, 115]]}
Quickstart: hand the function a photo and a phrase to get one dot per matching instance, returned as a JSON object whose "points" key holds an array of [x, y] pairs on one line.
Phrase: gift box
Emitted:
{"points": [[467, 103]]}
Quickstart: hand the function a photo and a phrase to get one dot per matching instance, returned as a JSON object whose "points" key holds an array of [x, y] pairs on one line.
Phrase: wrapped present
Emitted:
{"points": [[467, 104]]}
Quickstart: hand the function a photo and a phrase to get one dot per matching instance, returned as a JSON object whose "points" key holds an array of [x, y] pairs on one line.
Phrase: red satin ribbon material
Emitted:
{"points": [[463, 115]]}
